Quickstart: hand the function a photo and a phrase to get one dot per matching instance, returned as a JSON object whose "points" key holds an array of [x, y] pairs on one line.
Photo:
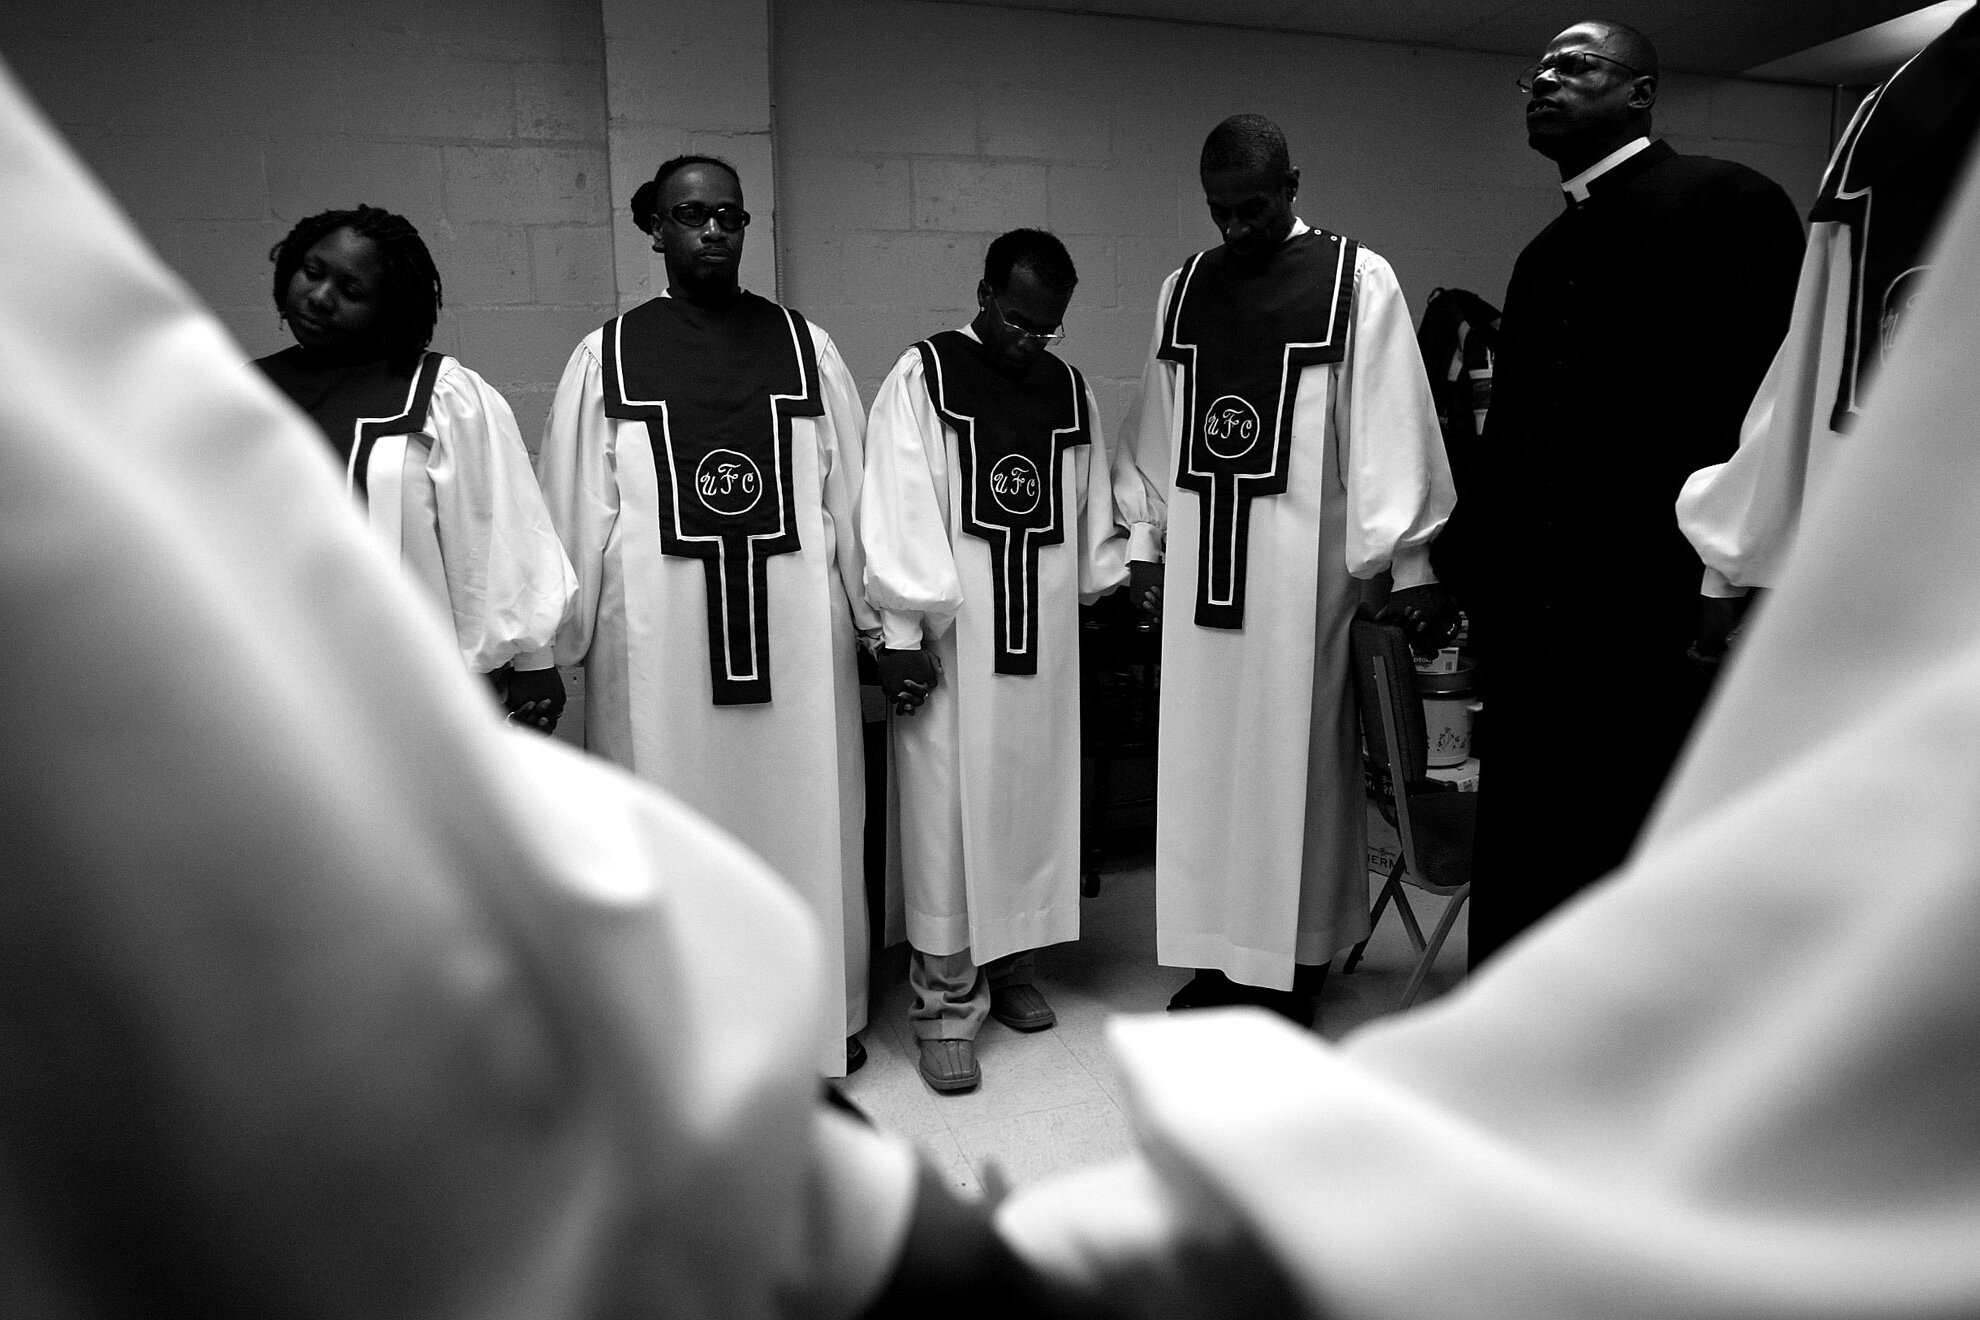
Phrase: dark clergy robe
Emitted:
{"points": [[1637, 327]]}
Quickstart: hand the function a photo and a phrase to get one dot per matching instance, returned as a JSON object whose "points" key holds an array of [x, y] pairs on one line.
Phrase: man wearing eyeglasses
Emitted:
{"points": [[987, 520], [1286, 443], [1637, 327], [702, 464]]}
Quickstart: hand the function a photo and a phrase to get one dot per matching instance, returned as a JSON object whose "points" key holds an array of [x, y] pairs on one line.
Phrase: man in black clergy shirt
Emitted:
{"points": [[1637, 327]]}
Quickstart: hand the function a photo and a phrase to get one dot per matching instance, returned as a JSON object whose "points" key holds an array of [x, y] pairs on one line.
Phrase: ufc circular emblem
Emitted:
{"points": [[728, 483], [1230, 427], [1014, 484]]}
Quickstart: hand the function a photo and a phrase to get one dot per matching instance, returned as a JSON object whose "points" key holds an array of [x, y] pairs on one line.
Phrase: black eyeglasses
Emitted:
{"points": [[1568, 64], [1046, 338], [693, 215]]}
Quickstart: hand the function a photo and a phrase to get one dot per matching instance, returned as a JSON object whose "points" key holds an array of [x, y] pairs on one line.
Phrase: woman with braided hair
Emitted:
{"points": [[430, 450]]}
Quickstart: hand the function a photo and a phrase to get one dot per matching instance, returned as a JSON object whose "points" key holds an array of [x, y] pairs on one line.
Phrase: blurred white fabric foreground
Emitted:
{"points": [[320, 992], [1739, 1078]]}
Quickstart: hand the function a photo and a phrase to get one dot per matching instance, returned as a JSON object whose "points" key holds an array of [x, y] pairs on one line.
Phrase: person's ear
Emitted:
{"points": [[1292, 183], [1643, 92]]}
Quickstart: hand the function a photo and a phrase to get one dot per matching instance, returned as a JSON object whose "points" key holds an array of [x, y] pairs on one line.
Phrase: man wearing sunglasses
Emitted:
{"points": [[987, 520], [702, 464], [1637, 327]]}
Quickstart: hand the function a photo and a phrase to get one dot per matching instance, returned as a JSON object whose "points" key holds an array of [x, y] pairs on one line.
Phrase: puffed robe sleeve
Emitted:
{"points": [[574, 469], [1741, 516], [1398, 477], [1633, 1111], [911, 575], [508, 580], [842, 435], [1145, 463], [324, 993], [1103, 536]]}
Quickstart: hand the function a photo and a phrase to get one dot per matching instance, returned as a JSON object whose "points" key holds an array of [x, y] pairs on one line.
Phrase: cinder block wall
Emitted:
{"points": [[219, 123], [911, 133], [906, 135]]}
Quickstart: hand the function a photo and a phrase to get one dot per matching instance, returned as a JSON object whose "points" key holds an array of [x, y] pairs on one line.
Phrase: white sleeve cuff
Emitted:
{"points": [[1718, 586], [900, 631], [1411, 568]]}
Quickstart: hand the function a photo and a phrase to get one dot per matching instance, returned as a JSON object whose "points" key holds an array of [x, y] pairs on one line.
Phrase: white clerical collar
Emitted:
{"points": [[1577, 187]]}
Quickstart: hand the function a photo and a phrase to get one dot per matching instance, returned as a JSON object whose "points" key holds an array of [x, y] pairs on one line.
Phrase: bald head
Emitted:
{"points": [[1249, 184], [1246, 144], [1625, 43], [1591, 93]]}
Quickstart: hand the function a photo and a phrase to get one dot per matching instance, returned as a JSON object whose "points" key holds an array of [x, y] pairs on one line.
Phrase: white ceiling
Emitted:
{"points": [[1700, 36]]}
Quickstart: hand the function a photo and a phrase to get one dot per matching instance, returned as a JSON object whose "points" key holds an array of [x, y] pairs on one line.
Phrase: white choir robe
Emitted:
{"points": [[1736, 1080], [987, 782], [325, 994], [786, 777], [1742, 515], [1261, 859], [459, 503]]}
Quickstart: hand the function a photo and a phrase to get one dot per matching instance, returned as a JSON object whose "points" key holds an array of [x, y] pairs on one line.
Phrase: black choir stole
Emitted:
{"points": [[1011, 434], [717, 388], [356, 406], [1241, 336]]}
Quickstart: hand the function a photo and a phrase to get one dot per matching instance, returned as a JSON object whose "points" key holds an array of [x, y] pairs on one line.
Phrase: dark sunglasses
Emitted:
{"points": [[693, 215]]}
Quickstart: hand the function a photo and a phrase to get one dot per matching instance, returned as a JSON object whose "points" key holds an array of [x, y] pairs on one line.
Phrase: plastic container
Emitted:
{"points": [[1449, 701]]}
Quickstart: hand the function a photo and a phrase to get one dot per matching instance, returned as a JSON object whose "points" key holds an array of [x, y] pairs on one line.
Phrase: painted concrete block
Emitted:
{"points": [[417, 93], [307, 175], [125, 86], [1109, 342], [571, 264], [976, 197], [531, 405], [1125, 199], [482, 265], [835, 194], [814, 268], [1099, 280], [211, 178], [1027, 119], [910, 270], [525, 345], [226, 261], [547, 29], [713, 78], [253, 327], [527, 185], [563, 101], [871, 339], [86, 22], [836, 110]]}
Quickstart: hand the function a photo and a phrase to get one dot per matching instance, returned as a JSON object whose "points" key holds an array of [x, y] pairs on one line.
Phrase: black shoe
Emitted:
{"points": [[855, 1055], [1021, 1007], [1309, 980], [1207, 989], [1294, 1006]]}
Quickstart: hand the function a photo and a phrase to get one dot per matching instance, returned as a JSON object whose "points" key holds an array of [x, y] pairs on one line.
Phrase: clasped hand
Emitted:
{"points": [[534, 698], [907, 677], [1427, 614]]}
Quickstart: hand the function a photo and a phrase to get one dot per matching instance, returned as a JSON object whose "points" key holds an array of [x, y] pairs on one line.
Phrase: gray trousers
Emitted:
{"points": [[952, 994]]}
